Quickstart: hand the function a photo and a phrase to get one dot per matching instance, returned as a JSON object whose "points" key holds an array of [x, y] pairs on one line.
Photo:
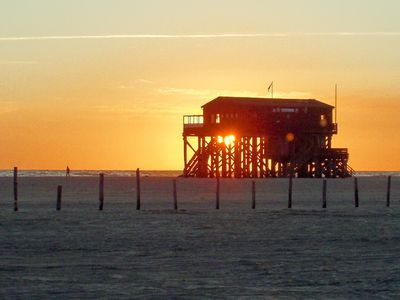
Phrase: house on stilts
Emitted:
{"points": [[240, 137]]}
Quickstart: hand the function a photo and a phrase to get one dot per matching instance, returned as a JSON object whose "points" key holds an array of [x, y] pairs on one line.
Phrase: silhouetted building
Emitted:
{"points": [[263, 137]]}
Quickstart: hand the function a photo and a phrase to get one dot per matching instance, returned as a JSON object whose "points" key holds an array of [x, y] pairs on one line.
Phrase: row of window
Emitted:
{"points": [[285, 110], [216, 118]]}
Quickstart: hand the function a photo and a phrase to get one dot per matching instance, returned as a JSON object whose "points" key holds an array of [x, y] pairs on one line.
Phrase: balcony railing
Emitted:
{"points": [[193, 121]]}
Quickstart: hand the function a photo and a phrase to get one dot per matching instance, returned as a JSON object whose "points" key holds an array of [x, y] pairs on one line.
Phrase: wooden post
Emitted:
{"points": [[356, 202], [175, 196], [253, 194], [217, 195], [59, 192], [101, 191], [15, 189], [324, 193], [388, 191], [185, 156], [290, 191], [137, 189]]}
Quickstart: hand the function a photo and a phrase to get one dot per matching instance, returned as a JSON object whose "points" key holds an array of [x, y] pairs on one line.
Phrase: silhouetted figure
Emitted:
{"points": [[67, 174]]}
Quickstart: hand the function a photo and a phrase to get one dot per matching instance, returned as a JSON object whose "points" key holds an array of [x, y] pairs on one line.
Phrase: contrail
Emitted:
{"points": [[193, 36], [139, 36]]}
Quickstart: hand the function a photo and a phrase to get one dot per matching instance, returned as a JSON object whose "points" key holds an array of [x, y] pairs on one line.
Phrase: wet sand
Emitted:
{"points": [[198, 252]]}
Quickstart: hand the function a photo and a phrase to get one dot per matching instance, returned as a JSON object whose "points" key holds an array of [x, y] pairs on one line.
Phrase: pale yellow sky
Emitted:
{"points": [[104, 84]]}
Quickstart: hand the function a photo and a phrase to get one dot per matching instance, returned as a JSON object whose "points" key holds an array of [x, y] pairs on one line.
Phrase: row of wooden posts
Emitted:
{"points": [[217, 202]]}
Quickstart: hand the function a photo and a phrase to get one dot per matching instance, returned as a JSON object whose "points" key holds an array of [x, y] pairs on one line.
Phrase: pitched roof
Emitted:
{"points": [[267, 102]]}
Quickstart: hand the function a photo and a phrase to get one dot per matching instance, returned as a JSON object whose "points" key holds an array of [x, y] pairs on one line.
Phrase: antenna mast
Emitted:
{"points": [[336, 103]]}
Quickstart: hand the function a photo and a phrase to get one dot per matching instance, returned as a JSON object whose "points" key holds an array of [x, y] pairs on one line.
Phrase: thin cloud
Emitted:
{"points": [[136, 83], [136, 36], [372, 34], [200, 93], [209, 94], [120, 111], [192, 36]]}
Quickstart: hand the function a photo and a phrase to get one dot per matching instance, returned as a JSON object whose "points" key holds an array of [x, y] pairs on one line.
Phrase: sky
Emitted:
{"points": [[101, 84]]}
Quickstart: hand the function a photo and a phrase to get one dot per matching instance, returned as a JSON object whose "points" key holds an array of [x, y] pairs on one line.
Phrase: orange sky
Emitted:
{"points": [[89, 98]]}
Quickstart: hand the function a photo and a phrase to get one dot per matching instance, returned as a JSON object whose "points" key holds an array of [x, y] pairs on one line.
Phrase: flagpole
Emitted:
{"points": [[272, 89], [336, 103]]}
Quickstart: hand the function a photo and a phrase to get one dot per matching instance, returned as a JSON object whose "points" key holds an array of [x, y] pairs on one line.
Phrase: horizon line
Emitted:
{"points": [[192, 36]]}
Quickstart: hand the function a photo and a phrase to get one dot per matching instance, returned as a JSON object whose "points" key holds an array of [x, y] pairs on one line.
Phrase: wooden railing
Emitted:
{"points": [[193, 121], [351, 171]]}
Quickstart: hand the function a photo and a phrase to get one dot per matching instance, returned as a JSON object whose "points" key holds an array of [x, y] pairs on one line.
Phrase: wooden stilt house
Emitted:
{"points": [[263, 137]]}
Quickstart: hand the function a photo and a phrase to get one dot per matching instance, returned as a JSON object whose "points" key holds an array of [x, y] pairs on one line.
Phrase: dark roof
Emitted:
{"points": [[267, 102]]}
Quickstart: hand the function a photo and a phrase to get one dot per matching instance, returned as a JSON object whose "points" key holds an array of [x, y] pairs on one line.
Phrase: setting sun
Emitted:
{"points": [[229, 140]]}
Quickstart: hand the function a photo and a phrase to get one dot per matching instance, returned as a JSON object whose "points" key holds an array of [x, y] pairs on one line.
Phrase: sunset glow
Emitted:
{"points": [[229, 140], [103, 85]]}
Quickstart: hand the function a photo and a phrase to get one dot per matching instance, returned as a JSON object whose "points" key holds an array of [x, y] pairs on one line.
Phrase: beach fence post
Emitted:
{"points": [[324, 183], [101, 191], [217, 194], [290, 191], [59, 193], [356, 200], [15, 189], [388, 191], [253, 195], [137, 189], [175, 195]]}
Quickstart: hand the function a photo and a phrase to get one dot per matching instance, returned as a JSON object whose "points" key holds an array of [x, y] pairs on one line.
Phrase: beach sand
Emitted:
{"points": [[198, 252]]}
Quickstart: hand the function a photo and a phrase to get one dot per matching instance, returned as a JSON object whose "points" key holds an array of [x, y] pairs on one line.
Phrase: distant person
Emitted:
{"points": [[68, 172]]}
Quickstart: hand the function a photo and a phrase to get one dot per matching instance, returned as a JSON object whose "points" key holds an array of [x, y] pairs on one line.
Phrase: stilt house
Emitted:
{"points": [[263, 137]]}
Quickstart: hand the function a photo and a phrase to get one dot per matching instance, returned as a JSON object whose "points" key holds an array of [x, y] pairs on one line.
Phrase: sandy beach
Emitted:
{"points": [[198, 252]]}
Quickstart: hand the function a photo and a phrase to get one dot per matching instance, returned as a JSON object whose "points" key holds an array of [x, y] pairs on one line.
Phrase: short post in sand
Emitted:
{"points": [[388, 191], [356, 200], [217, 195], [290, 191], [175, 195], [137, 189], [15, 189], [101, 191], [324, 193], [59, 193], [253, 195]]}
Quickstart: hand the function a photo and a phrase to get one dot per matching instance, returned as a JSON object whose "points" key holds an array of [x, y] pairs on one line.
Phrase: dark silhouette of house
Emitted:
{"points": [[263, 137]]}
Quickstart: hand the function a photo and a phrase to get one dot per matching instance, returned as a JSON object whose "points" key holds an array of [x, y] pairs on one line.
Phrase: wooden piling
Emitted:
{"points": [[356, 200], [101, 191], [217, 194], [253, 194], [15, 189], [324, 183], [175, 196], [388, 191], [137, 189], [290, 192], [59, 193]]}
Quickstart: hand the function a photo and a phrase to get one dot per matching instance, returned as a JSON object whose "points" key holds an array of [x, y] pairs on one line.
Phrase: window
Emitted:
{"points": [[288, 110], [218, 119]]}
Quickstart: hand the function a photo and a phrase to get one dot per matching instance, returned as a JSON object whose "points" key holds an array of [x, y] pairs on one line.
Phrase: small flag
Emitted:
{"points": [[270, 86]]}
